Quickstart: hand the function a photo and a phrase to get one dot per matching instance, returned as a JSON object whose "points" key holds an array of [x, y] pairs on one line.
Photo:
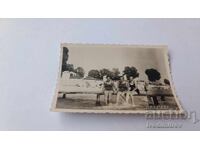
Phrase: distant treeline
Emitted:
{"points": [[152, 74]]}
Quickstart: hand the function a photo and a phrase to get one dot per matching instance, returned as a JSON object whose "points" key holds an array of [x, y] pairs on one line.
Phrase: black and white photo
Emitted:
{"points": [[115, 79]]}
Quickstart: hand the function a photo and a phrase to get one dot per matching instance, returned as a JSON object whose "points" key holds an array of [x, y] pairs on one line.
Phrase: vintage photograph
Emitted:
{"points": [[115, 79]]}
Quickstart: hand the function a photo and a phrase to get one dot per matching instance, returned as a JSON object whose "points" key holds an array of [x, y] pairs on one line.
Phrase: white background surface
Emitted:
{"points": [[29, 56]]}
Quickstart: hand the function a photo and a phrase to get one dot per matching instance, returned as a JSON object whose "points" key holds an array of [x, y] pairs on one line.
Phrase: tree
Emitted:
{"points": [[115, 74], [79, 71], [65, 58], [130, 71], [94, 73], [105, 72], [152, 74], [69, 67]]}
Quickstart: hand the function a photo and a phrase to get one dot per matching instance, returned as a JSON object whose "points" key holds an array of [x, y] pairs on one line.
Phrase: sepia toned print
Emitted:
{"points": [[115, 79]]}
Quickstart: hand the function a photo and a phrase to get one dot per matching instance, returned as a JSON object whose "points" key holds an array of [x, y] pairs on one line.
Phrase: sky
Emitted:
{"points": [[99, 57]]}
